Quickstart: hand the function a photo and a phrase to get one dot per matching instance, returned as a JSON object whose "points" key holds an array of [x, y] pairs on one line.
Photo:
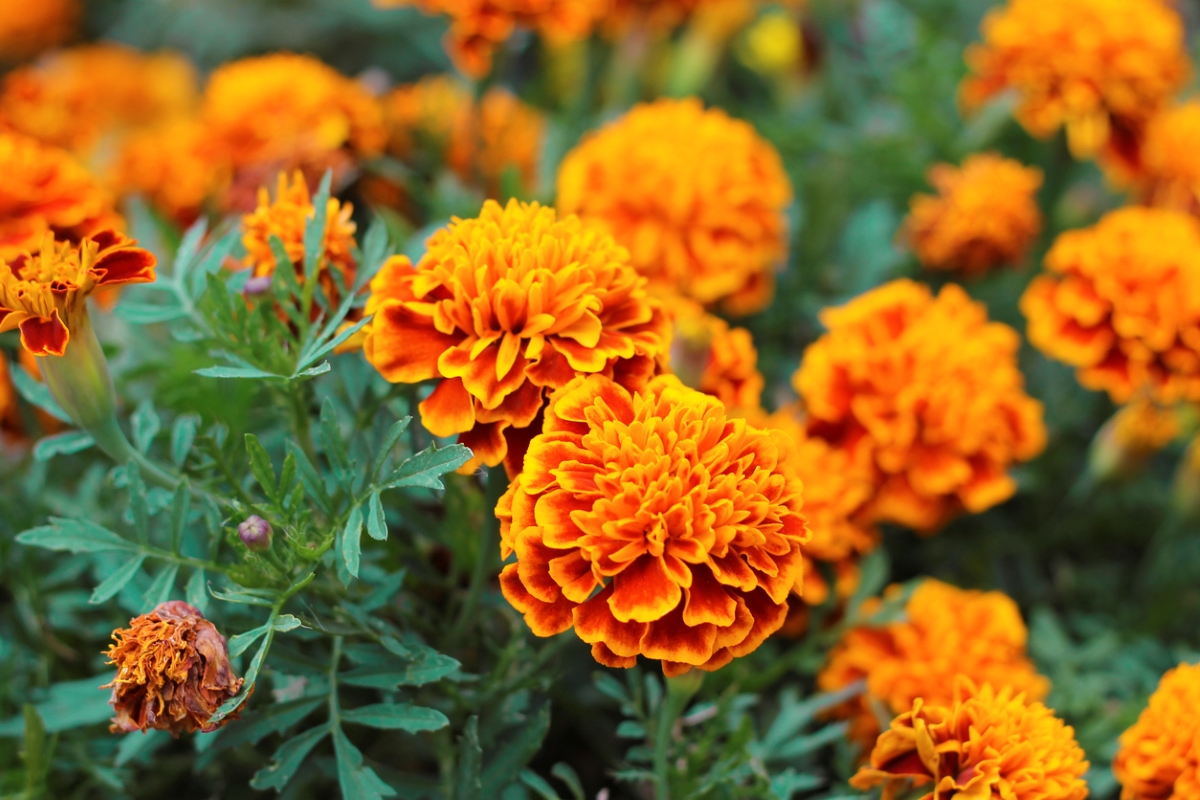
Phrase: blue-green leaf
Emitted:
{"points": [[196, 590], [146, 425], [397, 716], [114, 583], [164, 582], [37, 393], [183, 435], [350, 542], [288, 758], [62, 444], [236, 372], [376, 522], [75, 535], [425, 468]]}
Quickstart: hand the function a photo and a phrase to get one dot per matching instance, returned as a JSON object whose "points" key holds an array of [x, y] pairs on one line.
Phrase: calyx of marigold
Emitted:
{"points": [[255, 533]]}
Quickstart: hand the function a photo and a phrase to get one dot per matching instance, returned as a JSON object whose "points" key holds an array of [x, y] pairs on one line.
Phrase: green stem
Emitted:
{"points": [[334, 662], [301, 420], [679, 691], [497, 485]]}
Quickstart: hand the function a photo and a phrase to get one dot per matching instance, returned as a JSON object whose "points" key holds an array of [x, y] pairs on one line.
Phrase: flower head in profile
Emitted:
{"points": [[45, 295], [982, 742], [654, 525], [175, 165], [984, 214], [505, 308], [697, 196], [1120, 302], [1099, 68], [946, 631], [707, 354], [1159, 757], [931, 390], [28, 28], [173, 672]]}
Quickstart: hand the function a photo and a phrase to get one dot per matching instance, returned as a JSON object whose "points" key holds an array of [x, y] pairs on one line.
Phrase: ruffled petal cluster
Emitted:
{"points": [[699, 199], [654, 525], [946, 631], [26, 29], [1100, 68], [1168, 171], [931, 390], [1120, 302], [173, 672], [984, 214], [709, 355], [504, 308], [981, 743], [1159, 757]]}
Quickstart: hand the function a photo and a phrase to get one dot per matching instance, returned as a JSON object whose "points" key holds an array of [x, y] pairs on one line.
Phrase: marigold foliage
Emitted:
{"points": [[981, 743], [931, 391], [28, 28], [1098, 67], [696, 196], [685, 520], [505, 307], [984, 214], [173, 672], [1159, 757], [709, 355], [1120, 301]]}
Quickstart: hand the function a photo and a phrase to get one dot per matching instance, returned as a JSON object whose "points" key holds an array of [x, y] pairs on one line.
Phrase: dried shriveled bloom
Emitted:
{"points": [[45, 190], [1120, 302], [175, 165], [654, 525], [1128, 440], [26, 29], [981, 743], [1159, 757], [1100, 68], [984, 214], [931, 390], [173, 672], [707, 354], [696, 196], [505, 308], [946, 631]]}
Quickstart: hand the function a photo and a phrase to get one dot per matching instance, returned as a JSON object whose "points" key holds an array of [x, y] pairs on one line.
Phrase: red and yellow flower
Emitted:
{"points": [[698, 197], [1159, 757], [504, 308], [654, 525]]}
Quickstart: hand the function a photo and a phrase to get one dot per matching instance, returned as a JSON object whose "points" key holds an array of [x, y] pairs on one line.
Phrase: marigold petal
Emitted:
{"points": [[594, 622], [45, 336], [403, 346], [671, 639], [449, 410], [644, 591], [544, 619]]}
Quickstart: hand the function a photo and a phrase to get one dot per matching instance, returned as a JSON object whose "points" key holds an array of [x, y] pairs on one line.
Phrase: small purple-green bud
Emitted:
{"points": [[255, 533]]}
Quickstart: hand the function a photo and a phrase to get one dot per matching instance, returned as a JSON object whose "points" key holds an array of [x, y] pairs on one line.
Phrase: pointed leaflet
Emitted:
{"points": [[288, 758], [114, 583], [350, 542]]}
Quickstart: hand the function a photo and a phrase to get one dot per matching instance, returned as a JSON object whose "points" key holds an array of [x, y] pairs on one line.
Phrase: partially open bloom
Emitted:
{"points": [[505, 308], [175, 165], [684, 519], [983, 742], [983, 215], [173, 672], [707, 354], [45, 190], [1121, 303], [930, 389], [697, 197], [28, 28], [1159, 757], [1100, 68], [1127, 441]]}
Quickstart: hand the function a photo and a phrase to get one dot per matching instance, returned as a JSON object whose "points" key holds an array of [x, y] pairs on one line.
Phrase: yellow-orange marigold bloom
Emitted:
{"points": [[173, 672], [45, 190], [707, 354], [1169, 170], [1098, 67], [984, 214], [662, 15], [682, 518], [1159, 757], [1120, 302], [697, 197], [28, 28], [45, 295], [932, 391], [77, 98], [983, 742], [504, 308], [175, 165]]}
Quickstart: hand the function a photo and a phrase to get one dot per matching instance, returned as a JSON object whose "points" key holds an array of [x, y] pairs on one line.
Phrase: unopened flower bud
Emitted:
{"points": [[258, 284], [255, 533]]}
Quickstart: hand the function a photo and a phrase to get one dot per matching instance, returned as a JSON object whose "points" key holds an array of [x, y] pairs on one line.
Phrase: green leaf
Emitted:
{"points": [[356, 780], [314, 487], [538, 784], [214, 260], [146, 424], [196, 590], [331, 345], [567, 775], [425, 467], [258, 724], [38, 393], [35, 753], [181, 508], [794, 716], [260, 465], [164, 583], [287, 759], [504, 766], [62, 444], [183, 435], [375, 250], [873, 576], [350, 542], [389, 442], [149, 313], [241, 643], [402, 716], [75, 535], [314, 229], [233, 703], [468, 783], [376, 522], [139, 505], [433, 667], [287, 622], [788, 782], [312, 372], [235, 372], [135, 744], [67, 705], [189, 248], [245, 598]]}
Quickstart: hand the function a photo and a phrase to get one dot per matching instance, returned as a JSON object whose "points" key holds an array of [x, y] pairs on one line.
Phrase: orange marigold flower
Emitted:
{"points": [[662, 15], [710, 356], [683, 518], [946, 632], [504, 308], [984, 214], [173, 672], [981, 743], [1098, 67], [696, 196], [1121, 304], [930, 389], [1159, 757], [1169, 168], [175, 165], [45, 190], [28, 28]]}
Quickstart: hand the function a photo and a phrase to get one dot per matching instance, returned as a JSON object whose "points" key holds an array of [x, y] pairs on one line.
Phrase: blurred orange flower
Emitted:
{"points": [[27, 28], [173, 672], [175, 165], [710, 356], [684, 519], [1169, 169], [1121, 303], [1159, 757], [503, 308], [981, 743], [1100, 68], [931, 391], [984, 214], [697, 197], [1131, 436]]}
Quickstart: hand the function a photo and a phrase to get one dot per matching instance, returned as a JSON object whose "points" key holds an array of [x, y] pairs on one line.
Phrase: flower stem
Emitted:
{"points": [[680, 690], [489, 543]]}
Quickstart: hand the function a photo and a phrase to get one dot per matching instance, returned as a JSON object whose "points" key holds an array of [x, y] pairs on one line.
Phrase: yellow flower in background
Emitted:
{"points": [[27, 28], [709, 355], [984, 214], [1159, 757], [698, 197], [773, 45]]}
